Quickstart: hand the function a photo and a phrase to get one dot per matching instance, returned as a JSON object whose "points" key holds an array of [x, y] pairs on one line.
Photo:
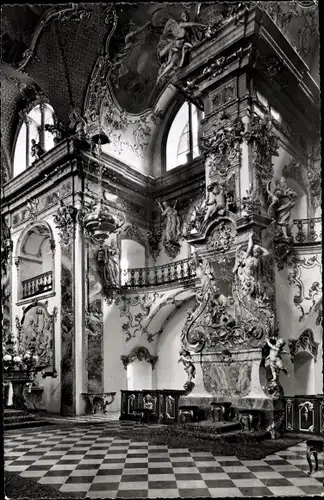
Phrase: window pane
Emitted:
{"points": [[174, 137], [20, 152]]}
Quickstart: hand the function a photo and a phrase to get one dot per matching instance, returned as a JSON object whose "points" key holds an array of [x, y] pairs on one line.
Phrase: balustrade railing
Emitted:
{"points": [[36, 285], [306, 231], [179, 271]]}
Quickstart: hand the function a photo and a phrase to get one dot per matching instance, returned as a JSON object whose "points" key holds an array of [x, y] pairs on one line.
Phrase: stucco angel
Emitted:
{"points": [[176, 40], [215, 202], [172, 231]]}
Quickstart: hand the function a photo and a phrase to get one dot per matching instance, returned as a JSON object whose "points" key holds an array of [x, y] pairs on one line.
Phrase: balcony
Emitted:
{"points": [[307, 231], [36, 285], [180, 272]]}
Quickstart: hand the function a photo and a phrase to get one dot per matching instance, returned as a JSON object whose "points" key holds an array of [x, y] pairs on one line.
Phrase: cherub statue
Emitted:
{"points": [[57, 129], [248, 269], [215, 202], [36, 150], [281, 204], [274, 361], [176, 40], [173, 222], [190, 369]]}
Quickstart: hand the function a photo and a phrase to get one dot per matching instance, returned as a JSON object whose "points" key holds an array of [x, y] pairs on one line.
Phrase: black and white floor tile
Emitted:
{"points": [[87, 462]]}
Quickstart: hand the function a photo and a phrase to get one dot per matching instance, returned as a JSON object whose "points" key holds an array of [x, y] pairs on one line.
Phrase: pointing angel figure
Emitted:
{"points": [[274, 361], [281, 204], [176, 40], [248, 269], [190, 369], [173, 222]]}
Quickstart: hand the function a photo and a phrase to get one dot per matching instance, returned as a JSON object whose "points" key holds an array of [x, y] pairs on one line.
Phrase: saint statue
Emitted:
{"points": [[111, 265], [215, 203], [281, 204], [36, 150], [176, 40], [173, 222], [274, 361], [248, 269], [57, 130]]}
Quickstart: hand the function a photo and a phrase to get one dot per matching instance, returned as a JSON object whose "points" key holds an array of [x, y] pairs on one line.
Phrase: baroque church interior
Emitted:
{"points": [[161, 249]]}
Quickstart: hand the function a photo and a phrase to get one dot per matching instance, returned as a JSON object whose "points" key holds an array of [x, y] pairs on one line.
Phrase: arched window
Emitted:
{"points": [[33, 127], [183, 138]]}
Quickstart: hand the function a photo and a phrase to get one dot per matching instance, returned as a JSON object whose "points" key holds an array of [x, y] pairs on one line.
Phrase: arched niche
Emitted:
{"points": [[304, 373], [34, 258], [139, 365]]}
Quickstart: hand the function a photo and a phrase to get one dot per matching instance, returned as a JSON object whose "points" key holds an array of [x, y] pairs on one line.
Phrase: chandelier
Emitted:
{"points": [[100, 222]]}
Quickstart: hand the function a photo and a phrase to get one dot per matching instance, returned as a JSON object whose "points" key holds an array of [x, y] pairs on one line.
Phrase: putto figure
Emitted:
{"points": [[274, 361], [215, 202], [190, 369], [36, 150], [176, 40], [281, 204]]}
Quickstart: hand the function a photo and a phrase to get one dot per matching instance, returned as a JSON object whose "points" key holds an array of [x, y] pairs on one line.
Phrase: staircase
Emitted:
{"points": [[17, 419]]}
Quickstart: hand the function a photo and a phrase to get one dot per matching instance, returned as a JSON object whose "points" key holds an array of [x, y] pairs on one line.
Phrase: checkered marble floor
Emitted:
{"points": [[84, 461]]}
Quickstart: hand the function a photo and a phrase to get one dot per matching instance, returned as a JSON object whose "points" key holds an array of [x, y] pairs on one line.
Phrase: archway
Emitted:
{"points": [[304, 374], [35, 259]]}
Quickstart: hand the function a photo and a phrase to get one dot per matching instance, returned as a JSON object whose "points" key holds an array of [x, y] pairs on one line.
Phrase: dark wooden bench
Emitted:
{"points": [[315, 445], [250, 419], [221, 410], [189, 413]]}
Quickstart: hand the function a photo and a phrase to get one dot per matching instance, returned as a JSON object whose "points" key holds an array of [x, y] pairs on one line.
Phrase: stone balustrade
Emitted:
{"points": [[307, 231], [36, 285], [176, 272]]}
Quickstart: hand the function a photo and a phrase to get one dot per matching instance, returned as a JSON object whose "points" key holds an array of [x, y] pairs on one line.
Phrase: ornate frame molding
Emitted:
{"points": [[305, 341], [139, 353]]}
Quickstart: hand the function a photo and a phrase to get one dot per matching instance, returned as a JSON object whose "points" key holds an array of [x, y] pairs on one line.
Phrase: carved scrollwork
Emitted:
{"points": [[154, 242], [305, 341], [222, 237], [6, 246], [65, 219], [140, 353], [133, 324]]}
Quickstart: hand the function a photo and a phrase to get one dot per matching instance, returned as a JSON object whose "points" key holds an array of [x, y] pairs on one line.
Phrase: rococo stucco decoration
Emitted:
{"points": [[37, 326], [133, 325], [222, 237], [65, 219], [305, 341], [299, 264], [140, 353], [6, 246]]}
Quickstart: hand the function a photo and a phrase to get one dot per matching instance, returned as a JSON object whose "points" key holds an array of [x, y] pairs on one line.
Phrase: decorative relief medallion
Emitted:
{"points": [[222, 237]]}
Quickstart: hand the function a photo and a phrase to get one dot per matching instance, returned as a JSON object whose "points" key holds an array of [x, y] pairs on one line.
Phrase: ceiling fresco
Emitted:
{"points": [[56, 47]]}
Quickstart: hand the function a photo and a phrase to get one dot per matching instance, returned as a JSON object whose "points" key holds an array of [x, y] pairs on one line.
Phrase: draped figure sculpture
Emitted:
{"points": [[176, 40], [248, 270], [173, 222], [281, 204]]}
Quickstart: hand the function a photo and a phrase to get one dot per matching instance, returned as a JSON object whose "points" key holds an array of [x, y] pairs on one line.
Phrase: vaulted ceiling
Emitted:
{"points": [[55, 48]]}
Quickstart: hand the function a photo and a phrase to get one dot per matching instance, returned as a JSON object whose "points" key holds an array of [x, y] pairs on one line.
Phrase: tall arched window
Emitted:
{"points": [[183, 138], [33, 127]]}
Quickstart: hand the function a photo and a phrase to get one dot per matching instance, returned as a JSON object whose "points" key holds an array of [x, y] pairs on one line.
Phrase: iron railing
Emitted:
{"points": [[307, 231], [36, 285], [180, 271]]}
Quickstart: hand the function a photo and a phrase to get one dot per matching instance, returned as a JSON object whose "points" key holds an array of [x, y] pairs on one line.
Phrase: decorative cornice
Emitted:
{"points": [[139, 353]]}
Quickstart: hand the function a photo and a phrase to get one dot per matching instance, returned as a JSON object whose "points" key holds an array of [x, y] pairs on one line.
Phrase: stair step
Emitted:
{"points": [[19, 418], [10, 412], [21, 425]]}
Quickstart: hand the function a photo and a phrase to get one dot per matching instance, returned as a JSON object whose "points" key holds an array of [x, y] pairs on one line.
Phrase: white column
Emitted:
{"points": [[79, 314]]}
